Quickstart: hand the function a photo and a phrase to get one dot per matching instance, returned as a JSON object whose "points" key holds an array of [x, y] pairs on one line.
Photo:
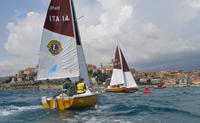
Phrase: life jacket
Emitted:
{"points": [[81, 88]]}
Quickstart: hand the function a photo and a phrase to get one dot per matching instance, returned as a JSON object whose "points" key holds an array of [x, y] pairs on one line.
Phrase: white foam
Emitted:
{"points": [[10, 110], [89, 119]]}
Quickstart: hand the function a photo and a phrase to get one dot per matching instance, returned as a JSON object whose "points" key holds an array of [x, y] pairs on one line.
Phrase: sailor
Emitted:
{"points": [[80, 86], [69, 87]]}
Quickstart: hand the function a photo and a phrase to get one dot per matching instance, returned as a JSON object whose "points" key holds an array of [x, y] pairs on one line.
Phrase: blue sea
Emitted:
{"points": [[170, 105]]}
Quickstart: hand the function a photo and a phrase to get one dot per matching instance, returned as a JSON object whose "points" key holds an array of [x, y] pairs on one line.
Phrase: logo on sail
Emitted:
{"points": [[54, 47]]}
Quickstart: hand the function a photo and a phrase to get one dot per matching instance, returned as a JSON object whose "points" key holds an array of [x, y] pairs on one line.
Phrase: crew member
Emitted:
{"points": [[80, 86], [69, 87]]}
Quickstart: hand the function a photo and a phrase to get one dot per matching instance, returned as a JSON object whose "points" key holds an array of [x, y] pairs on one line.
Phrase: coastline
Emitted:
{"points": [[30, 85], [57, 85]]}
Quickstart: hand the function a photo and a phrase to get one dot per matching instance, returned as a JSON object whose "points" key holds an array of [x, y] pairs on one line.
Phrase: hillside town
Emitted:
{"points": [[101, 75]]}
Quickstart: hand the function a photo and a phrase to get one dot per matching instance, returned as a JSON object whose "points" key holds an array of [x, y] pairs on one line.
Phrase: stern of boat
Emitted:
{"points": [[48, 103]]}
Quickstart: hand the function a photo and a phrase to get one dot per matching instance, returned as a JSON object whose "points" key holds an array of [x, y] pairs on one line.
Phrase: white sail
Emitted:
{"points": [[61, 53], [117, 73], [63, 65], [81, 57], [82, 64], [117, 77], [129, 80], [121, 73]]}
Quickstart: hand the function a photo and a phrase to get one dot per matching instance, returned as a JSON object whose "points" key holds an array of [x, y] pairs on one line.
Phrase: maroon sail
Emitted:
{"points": [[124, 63], [117, 61], [58, 16]]}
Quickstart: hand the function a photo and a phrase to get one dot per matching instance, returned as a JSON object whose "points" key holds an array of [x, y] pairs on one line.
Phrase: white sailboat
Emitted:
{"points": [[61, 55], [122, 80]]}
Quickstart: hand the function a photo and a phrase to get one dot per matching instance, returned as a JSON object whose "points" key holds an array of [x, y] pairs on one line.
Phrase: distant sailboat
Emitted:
{"points": [[122, 80], [61, 55], [159, 86]]}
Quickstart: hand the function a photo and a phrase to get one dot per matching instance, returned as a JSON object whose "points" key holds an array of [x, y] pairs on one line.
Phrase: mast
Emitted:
{"points": [[81, 56], [120, 54], [76, 28], [124, 66]]}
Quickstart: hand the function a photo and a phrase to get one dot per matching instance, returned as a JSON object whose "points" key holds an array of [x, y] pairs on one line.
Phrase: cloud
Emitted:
{"points": [[99, 38], [23, 42], [151, 36], [194, 3], [25, 35], [143, 42]]}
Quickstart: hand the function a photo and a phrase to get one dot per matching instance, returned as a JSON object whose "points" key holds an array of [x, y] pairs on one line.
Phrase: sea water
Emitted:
{"points": [[169, 105]]}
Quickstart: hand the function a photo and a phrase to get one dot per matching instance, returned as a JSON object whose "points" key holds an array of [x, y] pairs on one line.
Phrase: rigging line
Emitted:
{"points": [[80, 17]]}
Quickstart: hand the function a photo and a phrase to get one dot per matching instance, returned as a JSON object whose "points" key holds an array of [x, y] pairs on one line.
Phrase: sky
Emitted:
{"points": [[153, 34]]}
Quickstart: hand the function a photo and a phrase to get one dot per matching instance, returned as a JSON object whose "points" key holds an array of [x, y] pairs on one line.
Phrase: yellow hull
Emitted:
{"points": [[48, 103], [114, 90], [74, 102], [120, 90]]}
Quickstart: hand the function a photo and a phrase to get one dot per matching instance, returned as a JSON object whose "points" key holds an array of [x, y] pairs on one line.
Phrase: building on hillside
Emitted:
{"points": [[156, 81], [26, 74], [195, 74], [170, 82], [139, 74], [143, 80], [196, 81], [91, 67], [106, 68]]}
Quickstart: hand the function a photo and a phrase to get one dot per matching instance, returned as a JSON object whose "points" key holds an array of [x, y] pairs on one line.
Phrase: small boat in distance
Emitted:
{"points": [[122, 80], [147, 90], [159, 86], [61, 56]]}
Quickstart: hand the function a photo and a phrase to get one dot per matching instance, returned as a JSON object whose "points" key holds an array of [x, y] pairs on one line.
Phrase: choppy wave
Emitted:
{"points": [[11, 110], [179, 105]]}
